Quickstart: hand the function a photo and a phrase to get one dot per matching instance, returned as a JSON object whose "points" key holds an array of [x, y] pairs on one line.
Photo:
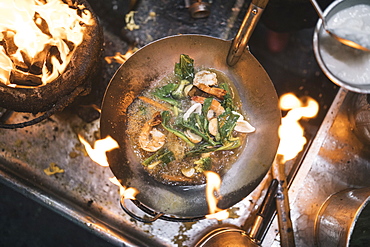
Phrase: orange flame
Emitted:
{"points": [[97, 153], [291, 133], [120, 58], [129, 193], [31, 28], [213, 185]]}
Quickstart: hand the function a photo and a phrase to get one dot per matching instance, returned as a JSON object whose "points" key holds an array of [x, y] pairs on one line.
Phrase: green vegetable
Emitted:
{"points": [[198, 124], [167, 157], [227, 122], [230, 144], [179, 92], [185, 68], [206, 105], [202, 148], [203, 164], [164, 93], [166, 116], [162, 155], [227, 102]]}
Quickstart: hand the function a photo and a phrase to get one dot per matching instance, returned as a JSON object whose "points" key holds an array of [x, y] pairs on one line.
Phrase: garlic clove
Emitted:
{"points": [[188, 172], [213, 126], [243, 126], [194, 138], [187, 89]]}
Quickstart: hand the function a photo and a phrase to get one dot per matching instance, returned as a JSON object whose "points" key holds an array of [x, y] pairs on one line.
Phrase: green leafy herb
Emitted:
{"points": [[202, 148], [185, 68], [167, 157], [206, 105], [164, 93], [179, 92], [203, 164], [153, 157], [227, 122], [198, 124], [227, 102], [162, 155], [166, 116]]}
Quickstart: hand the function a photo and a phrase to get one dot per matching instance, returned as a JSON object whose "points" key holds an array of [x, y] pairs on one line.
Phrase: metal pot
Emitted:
{"points": [[343, 65], [259, 100], [343, 219]]}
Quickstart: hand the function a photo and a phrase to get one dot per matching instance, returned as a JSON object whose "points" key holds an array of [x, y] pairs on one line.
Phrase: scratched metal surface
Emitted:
{"points": [[338, 159]]}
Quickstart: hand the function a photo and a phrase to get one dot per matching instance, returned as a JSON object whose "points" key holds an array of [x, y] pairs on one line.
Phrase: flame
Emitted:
{"points": [[291, 133], [129, 193], [213, 185], [39, 35], [120, 58], [97, 153]]}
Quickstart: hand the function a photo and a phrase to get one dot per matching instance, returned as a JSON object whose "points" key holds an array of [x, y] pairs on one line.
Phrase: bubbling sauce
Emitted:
{"points": [[346, 63]]}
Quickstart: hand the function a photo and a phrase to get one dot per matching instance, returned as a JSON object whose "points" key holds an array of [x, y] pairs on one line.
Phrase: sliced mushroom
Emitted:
{"points": [[197, 108], [210, 114], [213, 126], [187, 89], [188, 172], [194, 138], [244, 127]]}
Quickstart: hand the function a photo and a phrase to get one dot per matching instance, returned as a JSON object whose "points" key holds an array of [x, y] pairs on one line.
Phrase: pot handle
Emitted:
{"points": [[153, 215], [245, 31]]}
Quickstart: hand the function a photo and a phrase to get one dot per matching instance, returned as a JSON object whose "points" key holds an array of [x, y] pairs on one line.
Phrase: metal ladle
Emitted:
{"points": [[345, 41]]}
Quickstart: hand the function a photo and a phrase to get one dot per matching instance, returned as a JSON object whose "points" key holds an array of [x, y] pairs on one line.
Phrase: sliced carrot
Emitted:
{"points": [[154, 103]]}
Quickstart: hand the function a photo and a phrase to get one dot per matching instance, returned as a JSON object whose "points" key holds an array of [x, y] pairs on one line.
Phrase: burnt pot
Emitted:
{"points": [[74, 81]]}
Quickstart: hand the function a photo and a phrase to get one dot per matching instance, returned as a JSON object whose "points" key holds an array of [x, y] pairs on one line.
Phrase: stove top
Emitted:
{"points": [[82, 191]]}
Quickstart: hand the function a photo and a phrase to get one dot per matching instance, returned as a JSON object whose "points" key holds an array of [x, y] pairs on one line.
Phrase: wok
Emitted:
{"points": [[259, 103]]}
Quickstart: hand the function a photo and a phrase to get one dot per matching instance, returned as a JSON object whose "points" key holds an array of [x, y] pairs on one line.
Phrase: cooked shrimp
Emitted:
{"points": [[204, 80], [151, 139], [215, 105]]}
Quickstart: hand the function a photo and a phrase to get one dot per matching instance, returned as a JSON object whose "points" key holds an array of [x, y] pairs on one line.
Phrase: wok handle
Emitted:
{"points": [[153, 215], [245, 31]]}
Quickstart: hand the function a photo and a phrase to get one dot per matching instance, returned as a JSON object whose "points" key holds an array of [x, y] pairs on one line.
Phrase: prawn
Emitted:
{"points": [[204, 80], [215, 105], [150, 138]]}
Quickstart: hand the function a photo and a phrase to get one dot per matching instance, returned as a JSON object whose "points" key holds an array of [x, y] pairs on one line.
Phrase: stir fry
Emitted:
{"points": [[196, 113]]}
